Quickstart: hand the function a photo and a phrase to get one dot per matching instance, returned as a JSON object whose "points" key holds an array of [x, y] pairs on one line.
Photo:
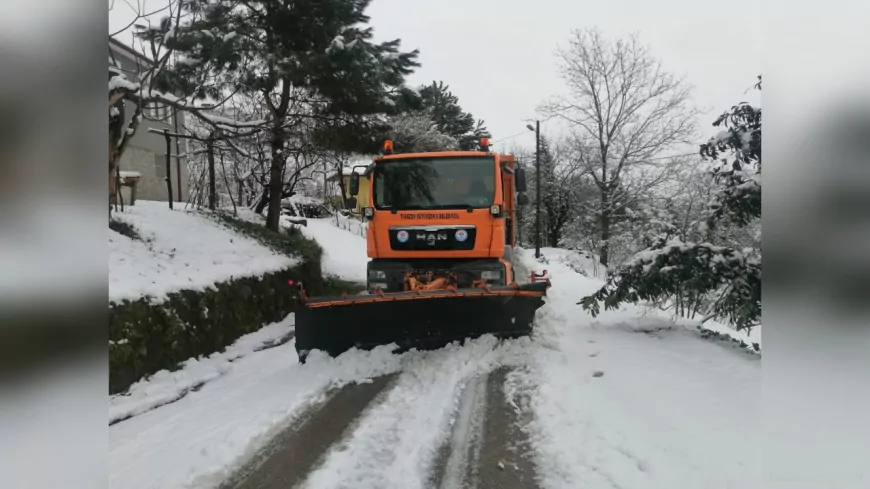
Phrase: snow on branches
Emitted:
{"points": [[692, 271], [739, 199], [414, 132], [722, 280]]}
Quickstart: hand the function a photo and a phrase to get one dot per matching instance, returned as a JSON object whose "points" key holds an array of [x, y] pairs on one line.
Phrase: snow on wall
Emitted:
{"points": [[180, 250]]}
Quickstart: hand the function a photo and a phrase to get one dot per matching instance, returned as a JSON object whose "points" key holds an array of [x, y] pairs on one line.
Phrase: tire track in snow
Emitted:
{"points": [[388, 433], [457, 459], [505, 459], [292, 454], [397, 442], [488, 448]]}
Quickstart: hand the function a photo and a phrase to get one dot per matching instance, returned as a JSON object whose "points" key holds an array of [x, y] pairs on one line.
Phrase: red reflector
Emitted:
{"points": [[290, 282]]}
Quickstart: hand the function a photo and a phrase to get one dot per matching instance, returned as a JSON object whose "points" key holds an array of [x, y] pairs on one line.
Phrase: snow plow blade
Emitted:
{"points": [[421, 320]]}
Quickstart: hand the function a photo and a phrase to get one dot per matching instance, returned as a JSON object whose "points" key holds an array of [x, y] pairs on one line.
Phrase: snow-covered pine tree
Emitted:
{"points": [[311, 60], [443, 108], [674, 267], [416, 132]]}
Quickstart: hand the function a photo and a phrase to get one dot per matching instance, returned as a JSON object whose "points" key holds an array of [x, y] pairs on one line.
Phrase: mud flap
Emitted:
{"points": [[415, 320]]}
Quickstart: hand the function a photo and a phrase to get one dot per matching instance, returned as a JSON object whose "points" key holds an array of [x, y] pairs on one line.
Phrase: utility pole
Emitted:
{"points": [[537, 189], [168, 166], [537, 130]]}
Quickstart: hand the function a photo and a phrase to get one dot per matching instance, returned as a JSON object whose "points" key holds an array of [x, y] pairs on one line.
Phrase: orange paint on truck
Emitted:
{"points": [[456, 197]]}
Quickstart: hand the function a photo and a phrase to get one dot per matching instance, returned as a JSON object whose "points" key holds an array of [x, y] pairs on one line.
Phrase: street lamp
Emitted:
{"points": [[537, 131]]}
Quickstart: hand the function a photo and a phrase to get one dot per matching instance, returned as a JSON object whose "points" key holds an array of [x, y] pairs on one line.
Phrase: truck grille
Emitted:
{"points": [[432, 238]]}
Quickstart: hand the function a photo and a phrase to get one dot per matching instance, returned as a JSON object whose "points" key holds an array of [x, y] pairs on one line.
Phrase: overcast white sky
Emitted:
{"points": [[498, 56]]}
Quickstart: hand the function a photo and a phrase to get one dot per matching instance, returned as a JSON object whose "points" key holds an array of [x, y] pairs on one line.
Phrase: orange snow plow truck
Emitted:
{"points": [[441, 238]]}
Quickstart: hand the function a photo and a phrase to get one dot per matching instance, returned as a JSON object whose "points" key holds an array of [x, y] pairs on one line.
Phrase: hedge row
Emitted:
{"points": [[146, 337]]}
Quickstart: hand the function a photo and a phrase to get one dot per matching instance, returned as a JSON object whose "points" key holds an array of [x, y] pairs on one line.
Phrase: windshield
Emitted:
{"points": [[435, 183]]}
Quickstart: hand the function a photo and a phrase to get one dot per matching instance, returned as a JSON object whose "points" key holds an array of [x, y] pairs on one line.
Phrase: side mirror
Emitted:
{"points": [[522, 200], [521, 179], [354, 184], [351, 203]]}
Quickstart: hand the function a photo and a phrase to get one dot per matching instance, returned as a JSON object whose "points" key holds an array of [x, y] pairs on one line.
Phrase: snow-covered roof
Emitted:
{"points": [[346, 171], [128, 51]]}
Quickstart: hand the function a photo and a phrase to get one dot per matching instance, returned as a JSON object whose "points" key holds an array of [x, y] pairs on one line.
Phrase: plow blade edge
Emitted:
{"points": [[415, 320]]}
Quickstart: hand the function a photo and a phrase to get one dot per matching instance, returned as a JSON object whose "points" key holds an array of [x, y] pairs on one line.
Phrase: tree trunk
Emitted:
{"points": [[116, 132], [212, 187], [604, 252], [263, 202], [276, 184], [114, 159], [555, 235]]}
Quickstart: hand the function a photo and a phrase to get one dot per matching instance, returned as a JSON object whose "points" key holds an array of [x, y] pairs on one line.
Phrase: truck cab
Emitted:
{"points": [[450, 214]]}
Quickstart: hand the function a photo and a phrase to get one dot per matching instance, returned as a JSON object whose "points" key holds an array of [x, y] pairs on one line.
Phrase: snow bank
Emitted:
{"points": [[588, 266], [344, 254], [753, 336], [578, 261], [180, 250], [200, 440], [629, 399], [245, 214], [165, 387]]}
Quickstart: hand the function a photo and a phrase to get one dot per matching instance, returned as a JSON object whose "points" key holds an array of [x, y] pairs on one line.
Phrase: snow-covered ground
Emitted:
{"points": [[623, 400], [198, 440], [180, 250], [344, 253], [342, 239], [353, 225], [667, 409], [585, 265], [164, 386]]}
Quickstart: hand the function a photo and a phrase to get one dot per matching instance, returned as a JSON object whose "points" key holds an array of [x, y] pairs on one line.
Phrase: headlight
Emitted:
{"points": [[369, 212], [376, 274], [490, 275]]}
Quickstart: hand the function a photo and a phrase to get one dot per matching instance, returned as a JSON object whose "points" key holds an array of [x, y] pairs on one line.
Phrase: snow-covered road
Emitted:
{"points": [[620, 401]]}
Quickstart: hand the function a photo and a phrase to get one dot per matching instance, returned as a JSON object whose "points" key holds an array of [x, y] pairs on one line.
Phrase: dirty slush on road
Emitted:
{"points": [[485, 446]]}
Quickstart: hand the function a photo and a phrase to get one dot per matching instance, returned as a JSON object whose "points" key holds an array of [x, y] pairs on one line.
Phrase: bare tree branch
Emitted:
{"points": [[625, 111]]}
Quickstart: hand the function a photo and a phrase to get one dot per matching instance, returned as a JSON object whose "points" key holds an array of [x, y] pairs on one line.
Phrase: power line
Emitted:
{"points": [[506, 138], [510, 137], [670, 156]]}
